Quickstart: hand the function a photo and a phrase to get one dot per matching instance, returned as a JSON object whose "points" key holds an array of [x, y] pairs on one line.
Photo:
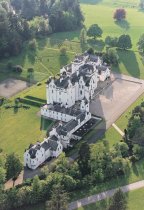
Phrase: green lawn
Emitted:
{"points": [[19, 128], [123, 120], [46, 61], [135, 201]]}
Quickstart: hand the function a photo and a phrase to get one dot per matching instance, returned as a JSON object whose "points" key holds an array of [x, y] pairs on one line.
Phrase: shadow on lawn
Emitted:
{"points": [[63, 60], [31, 54], [45, 124], [129, 60], [123, 24]]}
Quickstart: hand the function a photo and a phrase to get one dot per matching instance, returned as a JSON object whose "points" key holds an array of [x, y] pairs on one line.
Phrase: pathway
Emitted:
{"points": [[118, 129], [104, 195]]}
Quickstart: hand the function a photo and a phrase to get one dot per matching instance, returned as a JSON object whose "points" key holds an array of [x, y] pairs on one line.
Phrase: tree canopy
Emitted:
{"points": [[124, 42], [94, 31], [119, 14]]}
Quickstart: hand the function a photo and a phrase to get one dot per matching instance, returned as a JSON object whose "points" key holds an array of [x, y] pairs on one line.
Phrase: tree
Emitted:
{"points": [[141, 5], [141, 43], [124, 42], [13, 166], [94, 31], [36, 190], [84, 158], [63, 51], [119, 14], [111, 41], [59, 199], [111, 57], [123, 147], [139, 136], [83, 36], [133, 124], [118, 201], [33, 44], [90, 51]]}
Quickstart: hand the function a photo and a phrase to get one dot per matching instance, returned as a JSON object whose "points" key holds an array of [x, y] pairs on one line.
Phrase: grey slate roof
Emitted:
{"points": [[64, 83], [66, 128], [32, 153], [50, 144], [81, 117], [54, 138], [102, 68], [93, 58]]}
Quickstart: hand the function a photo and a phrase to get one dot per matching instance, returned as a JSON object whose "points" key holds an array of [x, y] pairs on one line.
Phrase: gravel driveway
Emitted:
{"points": [[10, 87]]}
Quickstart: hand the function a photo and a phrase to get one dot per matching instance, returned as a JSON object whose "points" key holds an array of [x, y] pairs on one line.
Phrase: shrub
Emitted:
{"points": [[30, 70], [17, 68], [90, 50], [63, 50]]}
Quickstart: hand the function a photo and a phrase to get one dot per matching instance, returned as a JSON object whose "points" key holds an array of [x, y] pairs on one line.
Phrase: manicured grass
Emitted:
{"points": [[123, 120], [112, 136], [103, 16], [19, 128], [46, 61], [134, 199]]}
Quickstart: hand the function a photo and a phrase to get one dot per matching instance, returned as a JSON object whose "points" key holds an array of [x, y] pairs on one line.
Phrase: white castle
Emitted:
{"points": [[68, 99]]}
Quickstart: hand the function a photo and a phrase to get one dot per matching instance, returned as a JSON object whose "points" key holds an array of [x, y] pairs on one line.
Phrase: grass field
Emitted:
{"points": [[19, 128]]}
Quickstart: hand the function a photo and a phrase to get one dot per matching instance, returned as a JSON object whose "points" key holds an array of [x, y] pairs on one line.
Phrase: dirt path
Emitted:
{"points": [[104, 195]]}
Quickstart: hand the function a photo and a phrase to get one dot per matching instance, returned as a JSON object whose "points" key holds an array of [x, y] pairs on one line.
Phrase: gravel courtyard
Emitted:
{"points": [[117, 97], [10, 87]]}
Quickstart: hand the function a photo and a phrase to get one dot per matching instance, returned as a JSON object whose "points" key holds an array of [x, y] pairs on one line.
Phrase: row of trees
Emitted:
{"points": [[123, 42]]}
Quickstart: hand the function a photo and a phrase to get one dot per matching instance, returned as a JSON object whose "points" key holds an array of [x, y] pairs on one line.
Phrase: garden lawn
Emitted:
{"points": [[46, 61], [20, 127], [123, 120], [134, 199]]}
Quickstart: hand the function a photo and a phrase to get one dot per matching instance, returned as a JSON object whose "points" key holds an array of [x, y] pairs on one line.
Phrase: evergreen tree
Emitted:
{"points": [[118, 201], [84, 158], [59, 199], [13, 166]]}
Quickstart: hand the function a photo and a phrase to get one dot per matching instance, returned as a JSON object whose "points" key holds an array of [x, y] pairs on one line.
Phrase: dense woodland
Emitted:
{"points": [[21, 20]]}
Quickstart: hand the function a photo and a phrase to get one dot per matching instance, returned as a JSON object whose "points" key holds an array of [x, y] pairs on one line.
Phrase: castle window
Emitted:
{"points": [[81, 92], [52, 91]]}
